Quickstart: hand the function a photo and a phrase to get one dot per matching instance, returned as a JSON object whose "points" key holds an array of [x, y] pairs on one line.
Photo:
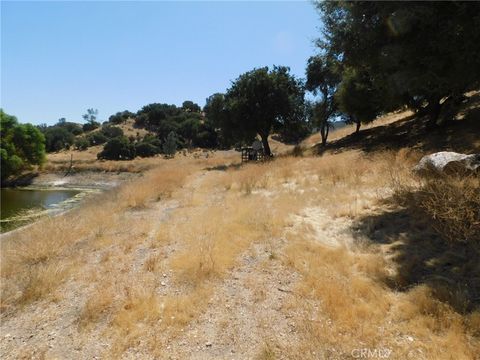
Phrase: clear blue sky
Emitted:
{"points": [[60, 58]]}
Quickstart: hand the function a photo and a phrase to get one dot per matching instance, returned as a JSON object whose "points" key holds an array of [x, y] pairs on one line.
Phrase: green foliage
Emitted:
{"points": [[96, 138], [106, 133], [121, 117], [260, 101], [358, 97], [75, 129], [186, 122], [90, 116], [149, 146], [111, 132], [170, 144], [402, 53], [81, 143], [119, 148], [90, 126], [58, 138], [190, 106], [22, 145], [153, 115], [217, 117], [146, 149]]}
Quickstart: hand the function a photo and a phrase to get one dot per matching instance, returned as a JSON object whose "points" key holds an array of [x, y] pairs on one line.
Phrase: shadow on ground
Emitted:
{"points": [[421, 256], [414, 132]]}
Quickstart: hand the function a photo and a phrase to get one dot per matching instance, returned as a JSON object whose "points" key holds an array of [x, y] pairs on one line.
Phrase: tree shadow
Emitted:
{"points": [[421, 256], [414, 132], [223, 167]]}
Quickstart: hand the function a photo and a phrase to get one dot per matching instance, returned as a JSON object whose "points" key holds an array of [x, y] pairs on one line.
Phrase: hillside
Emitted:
{"points": [[308, 257]]}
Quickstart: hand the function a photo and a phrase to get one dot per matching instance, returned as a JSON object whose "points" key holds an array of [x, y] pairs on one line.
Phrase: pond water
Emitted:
{"points": [[21, 206]]}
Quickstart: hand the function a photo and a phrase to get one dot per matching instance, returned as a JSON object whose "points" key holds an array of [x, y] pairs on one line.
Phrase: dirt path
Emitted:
{"points": [[246, 315]]}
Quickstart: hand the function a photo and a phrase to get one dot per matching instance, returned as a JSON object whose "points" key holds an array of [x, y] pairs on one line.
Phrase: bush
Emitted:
{"points": [[121, 117], [92, 125], [453, 205], [111, 132], [145, 149], [97, 138], [57, 138], [118, 148], [81, 143], [75, 129]]}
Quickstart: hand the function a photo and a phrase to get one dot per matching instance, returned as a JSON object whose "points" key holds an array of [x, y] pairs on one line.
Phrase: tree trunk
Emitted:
{"points": [[324, 133], [357, 129], [433, 110], [266, 146]]}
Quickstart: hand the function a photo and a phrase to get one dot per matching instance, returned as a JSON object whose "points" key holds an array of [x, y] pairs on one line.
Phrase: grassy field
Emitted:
{"points": [[302, 257]]}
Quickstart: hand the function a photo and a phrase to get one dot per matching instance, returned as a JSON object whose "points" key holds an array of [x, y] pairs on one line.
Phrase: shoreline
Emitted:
{"points": [[76, 181], [88, 183]]}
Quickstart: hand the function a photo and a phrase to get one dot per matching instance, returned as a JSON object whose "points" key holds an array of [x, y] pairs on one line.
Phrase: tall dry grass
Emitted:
{"points": [[155, 272], [35, 260]]}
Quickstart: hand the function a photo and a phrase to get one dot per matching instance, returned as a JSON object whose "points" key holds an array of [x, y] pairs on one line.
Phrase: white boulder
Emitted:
{"points": [[448, 162]]}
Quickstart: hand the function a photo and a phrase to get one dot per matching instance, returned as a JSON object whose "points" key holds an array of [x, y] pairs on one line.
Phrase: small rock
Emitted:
{"points": [[164, 275], [208, 344], [163, 283]]}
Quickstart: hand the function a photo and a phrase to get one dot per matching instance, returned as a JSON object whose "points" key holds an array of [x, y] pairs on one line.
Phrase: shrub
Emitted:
{"points": [[453, 205], [92, 125], [119, 148], [81, 143], [111, 132], [97, 138], [57, 138], [121, 117], [145, 149]]}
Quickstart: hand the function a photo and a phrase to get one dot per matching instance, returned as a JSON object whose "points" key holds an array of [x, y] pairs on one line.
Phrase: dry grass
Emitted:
{"points": [[97, 305], [453, 204], [349, 129], [36, 260], [145, 274]]}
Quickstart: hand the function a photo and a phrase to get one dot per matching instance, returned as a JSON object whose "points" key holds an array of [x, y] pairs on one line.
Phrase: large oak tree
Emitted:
{"points": [[261, 101]]}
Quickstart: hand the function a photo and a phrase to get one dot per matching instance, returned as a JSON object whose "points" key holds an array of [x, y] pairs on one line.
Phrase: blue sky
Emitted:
{"points": [[60, 58]]}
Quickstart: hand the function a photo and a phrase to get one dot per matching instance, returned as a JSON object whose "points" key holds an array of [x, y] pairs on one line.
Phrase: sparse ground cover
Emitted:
{"points": [[305, 257]]}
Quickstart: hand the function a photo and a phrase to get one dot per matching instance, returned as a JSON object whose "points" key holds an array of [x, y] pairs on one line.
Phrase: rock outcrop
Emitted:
{"points": [[448, 162]]}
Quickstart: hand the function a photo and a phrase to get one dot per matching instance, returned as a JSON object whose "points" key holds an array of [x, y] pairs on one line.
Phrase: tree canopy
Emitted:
{"points": [[323, 78], [22, 145], [188, 124], [401, 53], [260, 101]]}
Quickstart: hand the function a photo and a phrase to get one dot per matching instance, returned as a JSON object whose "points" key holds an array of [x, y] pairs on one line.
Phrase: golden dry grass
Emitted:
{"points": [[148, 258], [35, 260]]}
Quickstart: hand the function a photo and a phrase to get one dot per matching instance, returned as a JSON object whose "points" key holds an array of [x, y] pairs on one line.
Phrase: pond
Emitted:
{"points": [[22, 206]]}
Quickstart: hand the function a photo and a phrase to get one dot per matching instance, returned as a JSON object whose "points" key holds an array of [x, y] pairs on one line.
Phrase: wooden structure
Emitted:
{"points": [[251, 154]]}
